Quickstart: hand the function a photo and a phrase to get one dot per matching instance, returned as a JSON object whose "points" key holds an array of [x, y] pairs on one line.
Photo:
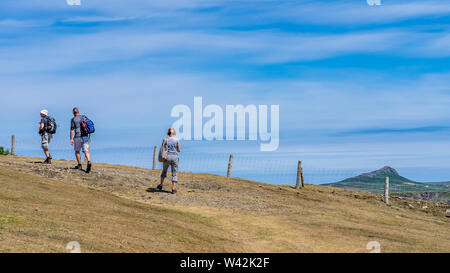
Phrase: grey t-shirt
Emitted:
{"points": [[172, 145], [44, 130], [75, 124]]}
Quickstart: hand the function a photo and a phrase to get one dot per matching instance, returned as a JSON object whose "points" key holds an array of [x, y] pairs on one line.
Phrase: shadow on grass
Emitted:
{"points": [[153, 190]]}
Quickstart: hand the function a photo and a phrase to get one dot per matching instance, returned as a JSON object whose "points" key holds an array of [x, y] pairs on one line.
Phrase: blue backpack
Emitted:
{"points": [[87, 126]]}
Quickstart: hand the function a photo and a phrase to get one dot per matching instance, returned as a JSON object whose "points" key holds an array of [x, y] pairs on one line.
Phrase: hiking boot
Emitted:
{"points": [[159, 187], [88, 168], [78, 167], [174, 191], [48, 160]]}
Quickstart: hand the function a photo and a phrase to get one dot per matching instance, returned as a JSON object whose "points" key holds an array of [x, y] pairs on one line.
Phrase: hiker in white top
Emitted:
{"points": [[45, 136], [173, 145]]}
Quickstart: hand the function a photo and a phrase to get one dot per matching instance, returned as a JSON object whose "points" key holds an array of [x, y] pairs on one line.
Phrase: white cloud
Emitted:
{"points": [[242, 12], [96, 19], [8, 23], [358, 12], [57, 52]]}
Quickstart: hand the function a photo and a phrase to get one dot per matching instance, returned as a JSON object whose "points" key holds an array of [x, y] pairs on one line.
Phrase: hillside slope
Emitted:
{"points": [[44, 215], [116, 208]]}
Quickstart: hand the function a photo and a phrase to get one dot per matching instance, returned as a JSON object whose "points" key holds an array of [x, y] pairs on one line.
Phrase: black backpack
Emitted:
{"points": [[51, 125]]}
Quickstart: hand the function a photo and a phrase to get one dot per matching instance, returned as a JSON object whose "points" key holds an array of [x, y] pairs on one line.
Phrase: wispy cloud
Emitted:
{"points": [[96, 19], [199, 31], [252, 47], [396, 131], [12, 23], [358, 12], [241, 12]]}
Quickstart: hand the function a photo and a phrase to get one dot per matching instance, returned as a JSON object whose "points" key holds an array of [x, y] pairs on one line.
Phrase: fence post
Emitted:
{"points": [[299, 175], [155, 152], [386, 191], [230, 165], [13, 145]]}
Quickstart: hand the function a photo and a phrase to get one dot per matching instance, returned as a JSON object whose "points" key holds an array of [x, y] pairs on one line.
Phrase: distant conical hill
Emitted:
{"points": [[374, 182]]}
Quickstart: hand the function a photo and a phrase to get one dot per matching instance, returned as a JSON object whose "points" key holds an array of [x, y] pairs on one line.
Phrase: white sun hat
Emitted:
{"points": [[44, 112]]}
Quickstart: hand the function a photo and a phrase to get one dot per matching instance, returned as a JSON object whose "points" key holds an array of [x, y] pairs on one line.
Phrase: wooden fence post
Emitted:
{"points": [[299, 175], [386, 191], [155, 152], [230, 165], [13, 145]]}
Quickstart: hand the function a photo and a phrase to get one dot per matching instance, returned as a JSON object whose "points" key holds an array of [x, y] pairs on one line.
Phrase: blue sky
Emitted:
{"points": [[358, 86]]}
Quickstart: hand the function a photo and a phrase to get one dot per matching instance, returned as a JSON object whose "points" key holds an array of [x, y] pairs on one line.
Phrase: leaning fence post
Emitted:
{"points": [[386, 190], [13, 145], [299, 175], [230, 165], [155, 151]]}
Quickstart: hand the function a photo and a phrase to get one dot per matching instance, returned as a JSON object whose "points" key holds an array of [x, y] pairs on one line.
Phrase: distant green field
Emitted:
{"points": [[443, 196]]}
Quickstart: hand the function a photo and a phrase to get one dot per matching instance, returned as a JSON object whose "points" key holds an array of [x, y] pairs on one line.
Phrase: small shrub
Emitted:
{"points": [[3, 151]]}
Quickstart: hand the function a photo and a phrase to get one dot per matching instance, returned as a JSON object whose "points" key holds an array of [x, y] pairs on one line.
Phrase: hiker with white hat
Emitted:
{"points": [[47, 127]]}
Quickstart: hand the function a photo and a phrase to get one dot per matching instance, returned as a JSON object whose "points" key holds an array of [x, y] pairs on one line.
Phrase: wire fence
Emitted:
{"points": [[279, 169]]}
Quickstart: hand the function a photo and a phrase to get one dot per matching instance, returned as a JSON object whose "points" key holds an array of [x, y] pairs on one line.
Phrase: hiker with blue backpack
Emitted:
{"points": [[80, 129], [168, 154], [47, 127]]}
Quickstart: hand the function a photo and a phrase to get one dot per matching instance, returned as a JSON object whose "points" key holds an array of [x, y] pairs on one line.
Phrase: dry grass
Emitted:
{"points": [[43, 215], [110, 210]]}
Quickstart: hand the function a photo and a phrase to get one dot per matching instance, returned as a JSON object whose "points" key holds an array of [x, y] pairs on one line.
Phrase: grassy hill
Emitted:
{"points": [[44, 215], [374, 182], [117, 209]]}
